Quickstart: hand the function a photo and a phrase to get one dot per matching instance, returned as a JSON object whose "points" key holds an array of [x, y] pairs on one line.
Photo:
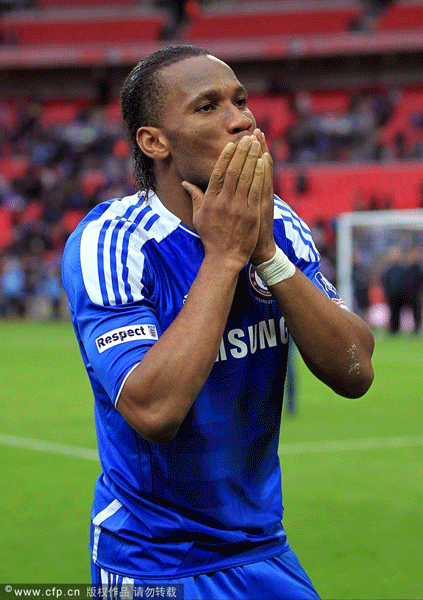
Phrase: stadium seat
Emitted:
{"points": [[401, 16], [215, 25], [13, 166], [329, 101], [6, 227], [59, 111], [70, 29], [8, 116], [409, 106], [84, 3], [272, 113], [332, 189]]}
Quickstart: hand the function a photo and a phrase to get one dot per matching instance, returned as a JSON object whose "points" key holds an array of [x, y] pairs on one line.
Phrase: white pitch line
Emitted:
{"points": [[348, 445], [284, 449], [48, 447]]}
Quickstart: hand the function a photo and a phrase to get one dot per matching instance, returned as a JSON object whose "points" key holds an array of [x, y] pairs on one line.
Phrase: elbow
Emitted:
{"points": [[355, 386], [153, 424], [162, 434], [154, 428], [358, 372]]}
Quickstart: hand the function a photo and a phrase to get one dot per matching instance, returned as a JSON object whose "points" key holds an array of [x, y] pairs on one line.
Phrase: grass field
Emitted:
{"points": [[352, 470]]}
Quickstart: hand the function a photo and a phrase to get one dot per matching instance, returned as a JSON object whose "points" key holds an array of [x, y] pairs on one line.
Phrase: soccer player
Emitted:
{"points": [[182, 296]]}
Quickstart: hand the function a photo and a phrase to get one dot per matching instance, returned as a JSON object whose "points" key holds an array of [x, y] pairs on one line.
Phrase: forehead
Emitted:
{"points": [[191, 76]]}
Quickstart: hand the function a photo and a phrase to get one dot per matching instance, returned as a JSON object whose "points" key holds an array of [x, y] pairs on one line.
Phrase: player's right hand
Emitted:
{"points": [[227, 215]]}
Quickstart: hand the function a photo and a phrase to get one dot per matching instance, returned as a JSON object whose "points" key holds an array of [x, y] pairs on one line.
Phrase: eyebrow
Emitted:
{"points": [[214, 95]]}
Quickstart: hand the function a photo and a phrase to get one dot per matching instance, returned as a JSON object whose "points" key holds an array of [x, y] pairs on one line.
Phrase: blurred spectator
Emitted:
{"points": [[301, 183], [400, 146], [392, 281], [53, 173], [402, 284], [57, 173], [179, 11], [12, 287], [51, 289], [413, 285], [345, 136], [361, 284]]}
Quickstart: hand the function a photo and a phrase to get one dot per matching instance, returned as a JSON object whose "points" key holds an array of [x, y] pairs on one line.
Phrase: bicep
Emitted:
{"points": [[115, 339]]}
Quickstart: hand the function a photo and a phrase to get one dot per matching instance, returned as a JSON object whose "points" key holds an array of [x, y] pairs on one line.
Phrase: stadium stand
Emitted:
{"points": [[67, 27], [401, 15], [333, 189], [260, 23], [49, 4], [339, 148]]}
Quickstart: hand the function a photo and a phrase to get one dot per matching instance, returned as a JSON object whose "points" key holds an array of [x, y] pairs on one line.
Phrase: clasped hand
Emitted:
{"points": [[234, 217]]}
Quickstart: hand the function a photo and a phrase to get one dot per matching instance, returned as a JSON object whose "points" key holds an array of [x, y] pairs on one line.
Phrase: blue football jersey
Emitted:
{"points": [[211, 498]]}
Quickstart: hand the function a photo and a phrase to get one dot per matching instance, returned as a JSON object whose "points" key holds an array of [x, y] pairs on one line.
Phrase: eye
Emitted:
{"points": [[241, 102], [205, 107]]}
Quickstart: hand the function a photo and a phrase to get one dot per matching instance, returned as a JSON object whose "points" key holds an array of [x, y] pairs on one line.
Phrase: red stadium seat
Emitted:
{"points": [[410, 104], [329, 101], [272, 113], [85, 3], [254, 24], [402, 16], [332, 189], [13, 166], [8, 116], [113, 111], [94, 29], [59, 111], [6, 227]]}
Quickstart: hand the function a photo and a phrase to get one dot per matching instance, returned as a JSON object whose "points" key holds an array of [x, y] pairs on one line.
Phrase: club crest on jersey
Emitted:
{"points": [[258, 284]]}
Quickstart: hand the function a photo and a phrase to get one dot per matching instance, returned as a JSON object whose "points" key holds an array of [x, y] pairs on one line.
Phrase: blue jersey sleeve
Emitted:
{"points": [[294, 237], [113, 316]]}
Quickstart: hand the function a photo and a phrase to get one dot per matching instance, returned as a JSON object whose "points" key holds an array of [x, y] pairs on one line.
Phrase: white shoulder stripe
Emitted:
{"points": [[88, 256], [116, 255], [297, 232], [112, 260], [89, 248]]}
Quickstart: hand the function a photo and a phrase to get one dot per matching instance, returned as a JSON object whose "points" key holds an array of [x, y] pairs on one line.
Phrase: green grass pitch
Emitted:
{"points": [[353, 511]]}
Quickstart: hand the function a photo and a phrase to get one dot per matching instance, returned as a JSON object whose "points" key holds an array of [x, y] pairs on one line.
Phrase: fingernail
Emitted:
{"points": [[245, 142]]}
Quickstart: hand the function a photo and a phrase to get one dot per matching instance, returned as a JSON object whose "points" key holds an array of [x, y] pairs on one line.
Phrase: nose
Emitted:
{"points": [[240, 120]]}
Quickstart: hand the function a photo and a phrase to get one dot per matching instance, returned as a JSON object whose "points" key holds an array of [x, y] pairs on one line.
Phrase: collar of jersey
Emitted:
{"points": [[155, 200]]}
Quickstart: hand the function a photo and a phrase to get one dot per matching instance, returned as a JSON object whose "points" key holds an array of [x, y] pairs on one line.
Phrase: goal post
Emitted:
{"points": [[370, 234]]}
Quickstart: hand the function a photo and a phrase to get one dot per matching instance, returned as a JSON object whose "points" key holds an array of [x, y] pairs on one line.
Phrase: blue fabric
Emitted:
{"points": [[211, 498], [278, 578]]}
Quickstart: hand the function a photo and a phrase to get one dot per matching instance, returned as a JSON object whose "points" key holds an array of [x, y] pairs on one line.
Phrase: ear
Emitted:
{"points": [[153, 142]]}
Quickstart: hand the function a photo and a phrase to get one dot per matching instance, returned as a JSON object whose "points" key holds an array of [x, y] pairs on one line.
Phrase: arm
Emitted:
{"points": [[335, 344], [162, 388]]}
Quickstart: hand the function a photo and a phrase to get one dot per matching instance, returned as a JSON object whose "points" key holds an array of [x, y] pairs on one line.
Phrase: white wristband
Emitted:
{"points": [[276, 269]]}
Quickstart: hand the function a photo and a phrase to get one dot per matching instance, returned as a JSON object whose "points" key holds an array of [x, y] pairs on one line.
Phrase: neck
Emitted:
{"points": [[173, 196]]}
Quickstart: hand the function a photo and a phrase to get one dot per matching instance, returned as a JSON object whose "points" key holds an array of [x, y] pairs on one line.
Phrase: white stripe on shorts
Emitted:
{"points": [[99, 519]]}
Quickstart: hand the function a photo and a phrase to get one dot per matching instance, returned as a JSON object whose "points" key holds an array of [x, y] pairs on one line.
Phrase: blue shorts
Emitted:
{"points": [[278, 578]]}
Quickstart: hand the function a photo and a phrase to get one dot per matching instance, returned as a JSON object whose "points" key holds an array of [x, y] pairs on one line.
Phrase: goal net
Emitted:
{"points": [[365, 243]]}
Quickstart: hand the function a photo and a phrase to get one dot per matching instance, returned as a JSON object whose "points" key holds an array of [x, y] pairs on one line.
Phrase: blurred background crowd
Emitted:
{"points": [[336, 85]]}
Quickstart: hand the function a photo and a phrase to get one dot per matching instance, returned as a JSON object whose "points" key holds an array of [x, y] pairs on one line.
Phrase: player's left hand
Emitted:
{"points": [[266, 247]]}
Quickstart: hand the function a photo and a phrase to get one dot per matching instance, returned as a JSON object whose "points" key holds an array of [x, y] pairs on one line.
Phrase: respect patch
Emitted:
{"points": [[131, 333]]}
